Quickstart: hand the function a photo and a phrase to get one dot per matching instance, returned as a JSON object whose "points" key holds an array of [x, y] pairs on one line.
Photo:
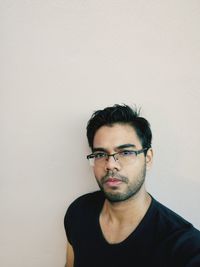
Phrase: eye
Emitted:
{"points": [[126, 153], [100, 155]]}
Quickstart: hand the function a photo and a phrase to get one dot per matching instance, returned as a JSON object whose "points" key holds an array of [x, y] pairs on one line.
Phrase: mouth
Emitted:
{"points": [[113, 182]]}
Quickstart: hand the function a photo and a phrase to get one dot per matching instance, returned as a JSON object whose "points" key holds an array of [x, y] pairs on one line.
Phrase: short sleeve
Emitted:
{"points": [[68, 222]]}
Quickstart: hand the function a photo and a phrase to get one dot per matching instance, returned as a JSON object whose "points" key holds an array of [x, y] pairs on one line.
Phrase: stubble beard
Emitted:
{"points": [[131, 188]]}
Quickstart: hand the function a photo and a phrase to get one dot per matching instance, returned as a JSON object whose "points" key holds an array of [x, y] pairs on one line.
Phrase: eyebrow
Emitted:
{"points": [[126, 146], [118, 147]]}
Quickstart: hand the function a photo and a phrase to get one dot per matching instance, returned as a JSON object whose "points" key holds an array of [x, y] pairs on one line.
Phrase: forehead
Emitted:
{"points": [[116, 135]]}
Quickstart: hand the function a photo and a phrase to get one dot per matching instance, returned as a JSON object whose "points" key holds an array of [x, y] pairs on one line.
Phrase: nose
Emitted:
{"points": [[112, 163]]}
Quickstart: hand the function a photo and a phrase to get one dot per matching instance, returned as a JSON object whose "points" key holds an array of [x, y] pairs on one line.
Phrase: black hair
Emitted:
{"points": [[122, 114]]}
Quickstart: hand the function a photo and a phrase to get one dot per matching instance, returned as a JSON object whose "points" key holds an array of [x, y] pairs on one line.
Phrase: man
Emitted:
{"points": [[122, 224]]}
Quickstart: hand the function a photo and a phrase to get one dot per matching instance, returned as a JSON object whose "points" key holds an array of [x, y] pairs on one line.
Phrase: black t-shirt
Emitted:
{"points": [[162, 239]]}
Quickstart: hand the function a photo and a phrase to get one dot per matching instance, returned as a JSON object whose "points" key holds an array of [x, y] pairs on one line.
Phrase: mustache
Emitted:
{"points": [[114, 176]]}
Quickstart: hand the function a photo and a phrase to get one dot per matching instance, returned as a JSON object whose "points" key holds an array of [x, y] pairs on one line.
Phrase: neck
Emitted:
{"points": [[132, 210]]}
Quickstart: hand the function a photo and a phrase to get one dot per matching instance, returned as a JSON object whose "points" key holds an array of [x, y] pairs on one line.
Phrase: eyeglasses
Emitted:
{"points": [[122, 157]]}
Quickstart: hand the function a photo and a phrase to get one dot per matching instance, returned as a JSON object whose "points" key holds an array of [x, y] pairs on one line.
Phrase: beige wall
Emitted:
{"points": [[60, 61]]}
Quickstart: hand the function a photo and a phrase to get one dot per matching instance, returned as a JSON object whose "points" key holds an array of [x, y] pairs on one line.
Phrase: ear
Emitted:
{"points": [[149, 158]]}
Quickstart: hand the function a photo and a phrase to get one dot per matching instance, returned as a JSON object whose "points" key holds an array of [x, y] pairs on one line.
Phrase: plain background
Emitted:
{"points": [[59, 62]]}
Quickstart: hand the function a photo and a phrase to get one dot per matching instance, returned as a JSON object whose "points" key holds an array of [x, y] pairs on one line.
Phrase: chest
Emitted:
{"points": [[116, 233]]}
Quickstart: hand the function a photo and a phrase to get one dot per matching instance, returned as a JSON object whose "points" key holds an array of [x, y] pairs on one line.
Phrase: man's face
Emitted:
{"points": [[120, 181]]}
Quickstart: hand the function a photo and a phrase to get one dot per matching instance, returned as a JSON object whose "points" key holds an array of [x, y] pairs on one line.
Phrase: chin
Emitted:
{"points": [[116, 197]]}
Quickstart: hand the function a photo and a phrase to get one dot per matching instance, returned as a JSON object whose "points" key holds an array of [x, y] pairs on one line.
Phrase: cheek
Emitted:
{"points": [[97, 172], [135, 168]]}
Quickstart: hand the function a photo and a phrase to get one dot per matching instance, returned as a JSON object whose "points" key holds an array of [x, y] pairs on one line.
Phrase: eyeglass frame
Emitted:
{"points": [[136, 152]]}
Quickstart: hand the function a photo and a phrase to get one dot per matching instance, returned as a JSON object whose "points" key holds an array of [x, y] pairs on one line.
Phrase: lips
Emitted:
{"points": [[113, 181]]}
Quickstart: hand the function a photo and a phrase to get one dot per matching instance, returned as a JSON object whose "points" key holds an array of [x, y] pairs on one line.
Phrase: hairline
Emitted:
{"points": [[131, 124]]}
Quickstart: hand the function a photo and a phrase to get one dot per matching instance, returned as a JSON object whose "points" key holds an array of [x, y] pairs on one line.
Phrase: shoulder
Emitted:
{"points": [[92, 198], [178, 235], [85, 203], [81, 212], [170, 219]]}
